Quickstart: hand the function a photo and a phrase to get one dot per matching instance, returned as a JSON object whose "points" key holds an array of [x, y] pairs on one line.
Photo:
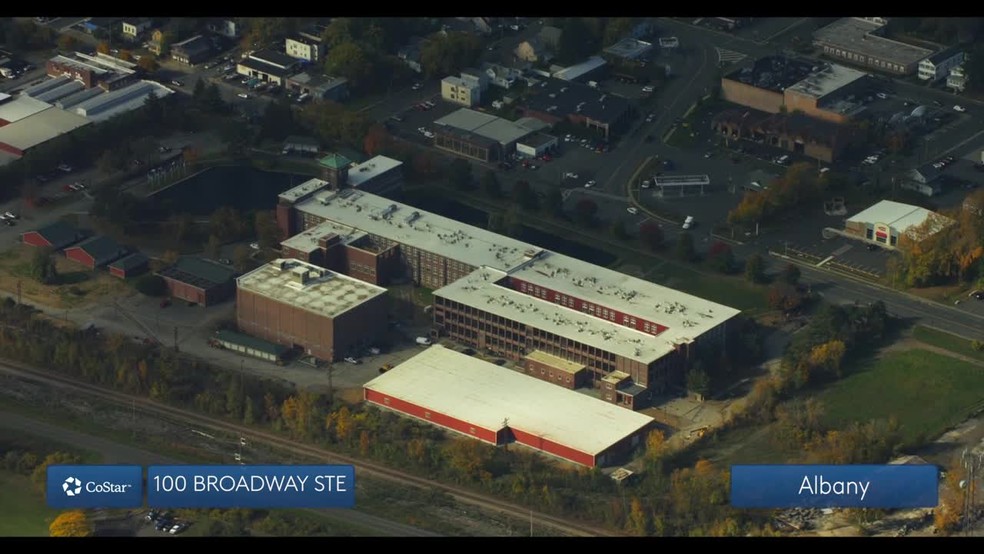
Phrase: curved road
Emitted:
{"points": [[573, 528], [117, 453]]}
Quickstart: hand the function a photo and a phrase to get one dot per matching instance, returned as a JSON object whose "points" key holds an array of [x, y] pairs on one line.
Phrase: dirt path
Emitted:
{"points": [[910, 343]]}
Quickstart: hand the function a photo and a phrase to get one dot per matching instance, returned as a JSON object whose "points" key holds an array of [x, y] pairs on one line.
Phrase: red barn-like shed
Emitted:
{"points": [[498, 405], [128, 266], [96, 252], [56, 236]]}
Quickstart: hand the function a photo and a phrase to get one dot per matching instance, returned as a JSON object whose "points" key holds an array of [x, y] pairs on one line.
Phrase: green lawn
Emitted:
{"points": [[25, 513], [731, 291], [942, 339], [926, 392]]}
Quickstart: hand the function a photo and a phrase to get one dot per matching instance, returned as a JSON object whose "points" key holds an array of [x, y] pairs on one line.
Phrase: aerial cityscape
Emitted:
{"points": [[491, 276]]}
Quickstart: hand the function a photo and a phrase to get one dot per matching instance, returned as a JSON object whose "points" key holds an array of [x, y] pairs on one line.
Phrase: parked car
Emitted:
{"points": [[688, 222], [352, 360], [254, 245], [424, 341], [65, 167], [375, 351], [243, 95], [416, 86], [11, 215], [959, 108], [177, 83], [590, 184]]}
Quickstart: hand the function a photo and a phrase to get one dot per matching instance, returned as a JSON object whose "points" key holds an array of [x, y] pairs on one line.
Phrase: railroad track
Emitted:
{"points": [[199, 421]]}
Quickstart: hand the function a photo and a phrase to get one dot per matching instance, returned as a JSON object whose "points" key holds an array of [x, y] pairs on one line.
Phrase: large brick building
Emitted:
{"points": [[776, 84], [100, 70], [303, 306], [507, 297], [795, 132]]}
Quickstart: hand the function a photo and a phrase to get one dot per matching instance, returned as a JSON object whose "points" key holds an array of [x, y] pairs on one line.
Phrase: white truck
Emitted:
{"points": [[7, 72]]}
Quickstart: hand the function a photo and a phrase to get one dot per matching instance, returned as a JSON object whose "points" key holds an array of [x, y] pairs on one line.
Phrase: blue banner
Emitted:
{"points": [[245, 486], [94, 486], [835, 486]]}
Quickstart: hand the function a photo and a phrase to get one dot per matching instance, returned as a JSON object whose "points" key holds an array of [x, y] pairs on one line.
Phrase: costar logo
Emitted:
{"points": [[72, 486]]}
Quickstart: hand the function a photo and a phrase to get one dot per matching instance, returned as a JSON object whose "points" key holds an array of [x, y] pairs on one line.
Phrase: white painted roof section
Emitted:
{"points": [[485, 395], [479, 290], [20, 107], [686, 316], [303, 189], [308, 240], [370, 169], [327, 293], [110, 104], [429, 232], [829, 78], [894, 214], [40, 127]]}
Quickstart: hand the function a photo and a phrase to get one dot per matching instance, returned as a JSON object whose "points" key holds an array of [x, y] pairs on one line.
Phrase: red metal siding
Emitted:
{"points": [[430, 416], [117, 272], [79, 255], [34, 238], [184, 291], [581, 305], [551, 447], [11, 149]]}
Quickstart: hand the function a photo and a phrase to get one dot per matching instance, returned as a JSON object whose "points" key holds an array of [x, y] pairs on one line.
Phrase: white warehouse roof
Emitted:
{"points": [[896, 215], [40, 128], [486, 395], [20, 107]]}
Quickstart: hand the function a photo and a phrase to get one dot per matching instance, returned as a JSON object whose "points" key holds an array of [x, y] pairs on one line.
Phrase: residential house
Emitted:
{"points": [[501, 76], [410, 54], [225, 27], [957, 79], [192, 51], [156, 43], [305, 45], [95, 25], [924, 179], [133, 28], [938, 65]]}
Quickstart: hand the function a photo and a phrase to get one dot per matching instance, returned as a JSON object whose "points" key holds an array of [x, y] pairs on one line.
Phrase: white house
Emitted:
{"points": [[134, 27], [501, 76], [461, 91], [938, 65], [957, 79]]}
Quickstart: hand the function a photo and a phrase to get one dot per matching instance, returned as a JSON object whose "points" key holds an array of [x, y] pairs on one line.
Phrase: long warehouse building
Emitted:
{"points": [[632, 337], [500, 406]]}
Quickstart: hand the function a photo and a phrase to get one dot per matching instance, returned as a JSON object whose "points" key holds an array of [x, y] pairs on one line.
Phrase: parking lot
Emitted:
{"points": [[844, 254]]}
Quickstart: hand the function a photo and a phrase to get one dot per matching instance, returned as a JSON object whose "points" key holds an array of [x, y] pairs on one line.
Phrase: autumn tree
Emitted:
{"points": [[698, 382], [267, 230], [377, 141], [655, 444], [67, 42], [40, 473], [651, 235], [943, 249], [102, 47], [827, 357], [946, 517], [720, 257], [42, 267], [468, 458], [638, 518], [213, 247], [785, 297], [755, 269], [148, 63], [790, 274], [241, 258], [170, 257], [300, 413], [341, 424], [126, 55], [74, 523]]}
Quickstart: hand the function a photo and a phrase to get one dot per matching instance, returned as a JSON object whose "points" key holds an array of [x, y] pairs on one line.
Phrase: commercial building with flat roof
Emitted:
{"points": [[629, 49], [19, 137], [500, 406], [793, 132], [110, 104], [508, 297], [325, 314], [554, 100], [590, 68], [199, 281], [859, 41], [16, 108], [477, 135], [777, 84], [887, 221], [322, 87]]}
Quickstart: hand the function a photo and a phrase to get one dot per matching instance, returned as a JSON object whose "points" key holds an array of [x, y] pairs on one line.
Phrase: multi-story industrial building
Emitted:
{"points": [[859, 40], [306, 307], [508, 297]]}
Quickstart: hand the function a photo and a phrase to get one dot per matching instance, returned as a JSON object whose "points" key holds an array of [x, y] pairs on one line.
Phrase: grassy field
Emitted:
{"points": [[77, 286], [25, 513], [926, 392], [942, 339]]}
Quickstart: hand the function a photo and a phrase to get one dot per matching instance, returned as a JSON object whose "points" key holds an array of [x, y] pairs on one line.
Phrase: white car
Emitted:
{"points": [[255, 246], [430, 135], [10, 215], [646, 184], [689, 222], [243, 95], [570, 175], [423, 341], [589, 184], [416, 86], [632, 210], [959, 108], [352, 360], [882, 95]]}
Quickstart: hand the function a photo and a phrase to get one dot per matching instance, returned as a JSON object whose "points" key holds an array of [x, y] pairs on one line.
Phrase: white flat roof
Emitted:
{"points": [[303, 189], [327, 293], [40, 127], [484, 394], [369, 169], [128, 98], [479, 289], [429, 232], [20, 107], [308, 240], [895, 214], [827, 80], [685, 315]]}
